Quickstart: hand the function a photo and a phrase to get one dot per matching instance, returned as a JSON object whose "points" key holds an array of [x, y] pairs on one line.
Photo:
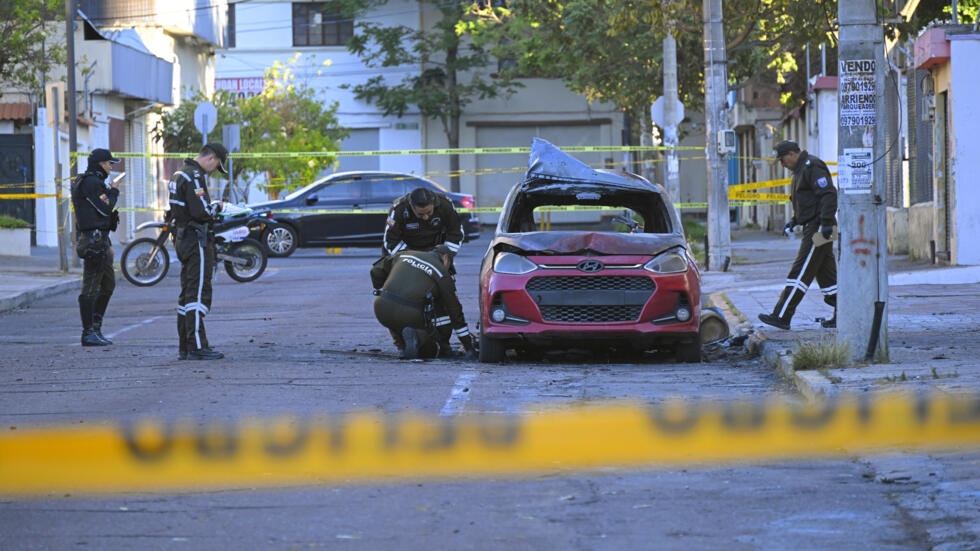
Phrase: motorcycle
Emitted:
{"points": [[145, 261]]}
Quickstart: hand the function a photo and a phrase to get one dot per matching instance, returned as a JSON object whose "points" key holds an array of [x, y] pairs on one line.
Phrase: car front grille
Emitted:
{"points": [[594, 299]]}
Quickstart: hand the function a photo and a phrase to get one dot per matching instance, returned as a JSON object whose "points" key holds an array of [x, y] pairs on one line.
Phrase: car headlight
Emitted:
{"points": [[510, 263], [668, 263]]}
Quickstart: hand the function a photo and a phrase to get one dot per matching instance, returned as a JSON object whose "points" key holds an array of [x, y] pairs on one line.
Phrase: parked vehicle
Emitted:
{"points": [[348, 209], [627, 280], [145, 261]]}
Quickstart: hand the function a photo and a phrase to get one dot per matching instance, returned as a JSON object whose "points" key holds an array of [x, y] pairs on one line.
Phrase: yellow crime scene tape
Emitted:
{"points": [[153, 455], [736, 192]]}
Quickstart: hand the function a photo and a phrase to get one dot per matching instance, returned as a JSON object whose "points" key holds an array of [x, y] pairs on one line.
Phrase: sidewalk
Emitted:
{"points": [[933, 320], [24, 279]]}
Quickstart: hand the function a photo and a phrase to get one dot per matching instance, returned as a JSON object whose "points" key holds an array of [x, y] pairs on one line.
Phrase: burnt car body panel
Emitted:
{"points": [[349, 193], [587, 288]]}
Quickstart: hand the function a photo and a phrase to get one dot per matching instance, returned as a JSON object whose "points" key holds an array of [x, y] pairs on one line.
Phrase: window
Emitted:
{"points": [[320, 24], [339, 190]]}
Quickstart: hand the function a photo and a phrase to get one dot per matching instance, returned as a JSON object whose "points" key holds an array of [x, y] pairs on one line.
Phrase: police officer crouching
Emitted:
{"points": [[414, 292], [94, 201]]}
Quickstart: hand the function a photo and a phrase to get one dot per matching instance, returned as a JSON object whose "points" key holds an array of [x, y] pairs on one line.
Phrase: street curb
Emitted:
{"points": [[27, 297], [813, 385]]}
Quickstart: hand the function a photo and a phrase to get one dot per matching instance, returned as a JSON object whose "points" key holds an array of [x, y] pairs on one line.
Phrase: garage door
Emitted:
{"points": [[496, 174]]}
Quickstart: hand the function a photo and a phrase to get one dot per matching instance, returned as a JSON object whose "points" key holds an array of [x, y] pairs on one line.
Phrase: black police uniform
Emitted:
{"points": [[814, 199], [94, 202], [193, 213], [405, 231], [409, 281]]}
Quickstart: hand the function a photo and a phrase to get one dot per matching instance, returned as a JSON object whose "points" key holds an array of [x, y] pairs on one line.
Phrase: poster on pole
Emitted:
{"points": [[858, 97], [855, 171]]}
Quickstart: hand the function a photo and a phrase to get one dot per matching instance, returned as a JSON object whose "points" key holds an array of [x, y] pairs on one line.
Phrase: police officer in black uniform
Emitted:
{"points": [[420, 221], [193, 214], [814, 199], [94, 201], [414, 287]]}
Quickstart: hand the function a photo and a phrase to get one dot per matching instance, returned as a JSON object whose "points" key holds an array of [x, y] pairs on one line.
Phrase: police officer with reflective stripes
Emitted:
{"points": [[420, 221], [94, 201], [413, 288], [814, 199], [193, 214]]}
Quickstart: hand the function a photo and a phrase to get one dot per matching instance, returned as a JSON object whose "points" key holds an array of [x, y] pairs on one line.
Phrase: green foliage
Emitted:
{"points": [[28, 52], [286, 116], [11, 223], [694, 229], [450, 78], [612, 49]]}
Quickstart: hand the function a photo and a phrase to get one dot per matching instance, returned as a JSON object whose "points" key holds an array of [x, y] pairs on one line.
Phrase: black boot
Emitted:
{"points": [[775, 321], [831, 323], [182, 336], [89, 336], [98, 312], [411, 338]]}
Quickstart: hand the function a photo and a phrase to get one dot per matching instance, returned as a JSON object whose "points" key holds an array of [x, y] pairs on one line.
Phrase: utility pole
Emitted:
{"points": [[719, 253], [862, 320], [65, 234], [673, 113]]}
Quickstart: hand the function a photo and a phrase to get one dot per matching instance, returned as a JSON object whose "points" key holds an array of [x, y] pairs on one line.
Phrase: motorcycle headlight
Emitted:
{"points": [[672, 262], [514, 264]]}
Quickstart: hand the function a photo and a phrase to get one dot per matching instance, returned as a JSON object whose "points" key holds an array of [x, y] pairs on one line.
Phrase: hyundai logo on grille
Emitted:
{"points": [[590, 266]]}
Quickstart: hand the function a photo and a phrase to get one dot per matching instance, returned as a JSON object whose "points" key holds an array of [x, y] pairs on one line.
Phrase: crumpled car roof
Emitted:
{"points": [[554, 177]]}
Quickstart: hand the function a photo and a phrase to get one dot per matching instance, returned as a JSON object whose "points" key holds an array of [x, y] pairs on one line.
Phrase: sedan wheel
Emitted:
{"points": [[280, 240]]}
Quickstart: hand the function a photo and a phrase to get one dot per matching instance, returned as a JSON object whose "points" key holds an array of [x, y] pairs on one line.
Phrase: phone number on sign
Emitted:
{"points": [[858, 120]]}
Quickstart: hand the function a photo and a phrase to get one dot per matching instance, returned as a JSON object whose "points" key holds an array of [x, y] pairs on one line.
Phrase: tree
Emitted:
{"points": [[612, 49], [285, 117], [449, 68], [28, 52]]}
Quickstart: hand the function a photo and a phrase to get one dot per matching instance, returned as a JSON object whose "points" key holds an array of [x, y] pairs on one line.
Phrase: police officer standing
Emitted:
{"points": [[193, 214], [420, 221], [94, 201], [814, 199], [411, 284]]}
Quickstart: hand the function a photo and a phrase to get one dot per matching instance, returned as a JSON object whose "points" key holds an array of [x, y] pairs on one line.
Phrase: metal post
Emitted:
{"points": [[671, 116], [863, 273], [65, 233], [715, 88]]}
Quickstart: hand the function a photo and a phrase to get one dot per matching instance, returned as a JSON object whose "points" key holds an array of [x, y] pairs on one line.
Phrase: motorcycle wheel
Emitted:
{"points": [[254, 257], [281, 241], [141, 266]]}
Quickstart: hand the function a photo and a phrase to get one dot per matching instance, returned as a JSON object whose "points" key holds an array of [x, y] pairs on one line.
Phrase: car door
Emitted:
{"points": [[380, 193], [328, 219]]}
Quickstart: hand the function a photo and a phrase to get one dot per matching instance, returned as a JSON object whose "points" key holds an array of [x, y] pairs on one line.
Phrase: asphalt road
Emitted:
{"points": [[302, 339]]}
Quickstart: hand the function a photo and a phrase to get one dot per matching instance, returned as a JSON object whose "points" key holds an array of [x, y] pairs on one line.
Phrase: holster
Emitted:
{"points": [[92, 243]]}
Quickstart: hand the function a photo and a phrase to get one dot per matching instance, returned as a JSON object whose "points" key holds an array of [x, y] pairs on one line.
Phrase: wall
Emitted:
{"points": [[921, 223], [965, 142]]}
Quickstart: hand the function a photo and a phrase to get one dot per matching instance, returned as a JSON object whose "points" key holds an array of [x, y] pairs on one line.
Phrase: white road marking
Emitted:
{"points": [[459, 394], [111, 336]]}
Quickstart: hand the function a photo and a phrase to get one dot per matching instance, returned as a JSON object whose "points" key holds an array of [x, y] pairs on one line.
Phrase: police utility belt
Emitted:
{"points": [[198, 229]]}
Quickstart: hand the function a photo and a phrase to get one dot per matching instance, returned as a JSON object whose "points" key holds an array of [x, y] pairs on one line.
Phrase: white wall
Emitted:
{"points": [[965, 142]]}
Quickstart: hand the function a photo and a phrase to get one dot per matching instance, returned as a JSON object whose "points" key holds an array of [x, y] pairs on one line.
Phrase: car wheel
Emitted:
{"points": [[281, 241], [689, 353], [491, 350]]}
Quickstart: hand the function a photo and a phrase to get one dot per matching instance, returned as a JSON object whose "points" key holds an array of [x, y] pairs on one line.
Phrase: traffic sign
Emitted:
{"points": [[205, 118]]}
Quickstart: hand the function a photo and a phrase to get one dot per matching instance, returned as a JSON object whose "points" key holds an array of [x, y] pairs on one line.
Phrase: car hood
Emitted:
{"points": [[586, 243], [267, 204]]}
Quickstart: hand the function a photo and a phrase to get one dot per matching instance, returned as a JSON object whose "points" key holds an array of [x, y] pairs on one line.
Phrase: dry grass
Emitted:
{"points": [[823, 354]]}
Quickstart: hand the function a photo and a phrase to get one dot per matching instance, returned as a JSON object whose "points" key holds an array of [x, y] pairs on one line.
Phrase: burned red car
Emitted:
{"points": [[620, 276]]}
